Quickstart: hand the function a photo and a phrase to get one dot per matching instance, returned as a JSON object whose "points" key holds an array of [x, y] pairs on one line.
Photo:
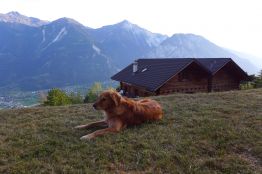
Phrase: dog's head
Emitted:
{"points": [[107, 100]]}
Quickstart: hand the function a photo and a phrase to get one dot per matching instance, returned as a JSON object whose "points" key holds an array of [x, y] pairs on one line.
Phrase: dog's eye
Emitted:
{"points": [[103, 99]]}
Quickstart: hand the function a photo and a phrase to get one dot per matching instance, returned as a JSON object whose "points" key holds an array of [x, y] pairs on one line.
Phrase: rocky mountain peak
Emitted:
{"points": [[15, 17], [13, 13]]}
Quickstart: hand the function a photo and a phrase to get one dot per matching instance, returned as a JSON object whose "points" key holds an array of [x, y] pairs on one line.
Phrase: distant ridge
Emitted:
{"points": [[37, 54], [191, 45]]}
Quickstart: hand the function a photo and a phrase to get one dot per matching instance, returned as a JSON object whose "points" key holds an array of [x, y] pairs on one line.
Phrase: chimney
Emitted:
{"points": [[135, 66]]}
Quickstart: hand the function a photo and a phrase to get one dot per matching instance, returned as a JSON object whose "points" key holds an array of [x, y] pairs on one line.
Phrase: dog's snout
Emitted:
{"points": [[94, 105]]}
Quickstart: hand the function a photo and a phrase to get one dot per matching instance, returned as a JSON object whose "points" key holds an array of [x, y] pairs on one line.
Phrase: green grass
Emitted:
{"points": [[200, 133]]}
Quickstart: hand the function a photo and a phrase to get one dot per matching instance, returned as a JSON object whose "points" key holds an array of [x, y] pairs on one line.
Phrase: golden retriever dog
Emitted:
{"points": [[121, 112]]}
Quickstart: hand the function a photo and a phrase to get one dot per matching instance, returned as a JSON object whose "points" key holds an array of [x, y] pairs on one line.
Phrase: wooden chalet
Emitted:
{"points": [[147, 77]]}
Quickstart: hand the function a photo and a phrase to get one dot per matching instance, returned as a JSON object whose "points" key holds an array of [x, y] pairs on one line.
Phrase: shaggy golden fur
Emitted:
{"points": [[121, 112]]}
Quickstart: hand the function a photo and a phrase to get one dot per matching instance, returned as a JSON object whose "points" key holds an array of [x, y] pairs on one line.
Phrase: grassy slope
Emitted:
{"points": [[200, 133]]}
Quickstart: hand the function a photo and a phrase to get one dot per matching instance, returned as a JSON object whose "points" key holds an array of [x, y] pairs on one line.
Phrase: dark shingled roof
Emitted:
{"points": [[153, 73]]}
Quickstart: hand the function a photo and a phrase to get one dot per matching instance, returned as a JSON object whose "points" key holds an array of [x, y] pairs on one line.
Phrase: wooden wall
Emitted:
{"points": [[225, 80], [134, 91], [190, 80]]}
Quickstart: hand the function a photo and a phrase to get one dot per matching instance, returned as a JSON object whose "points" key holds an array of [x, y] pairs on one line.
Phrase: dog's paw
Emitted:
{"points": [[87, 137], [80, 127]]}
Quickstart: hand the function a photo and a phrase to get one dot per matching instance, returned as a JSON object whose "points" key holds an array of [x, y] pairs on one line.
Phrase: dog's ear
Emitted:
{"points": [[116, 98]]}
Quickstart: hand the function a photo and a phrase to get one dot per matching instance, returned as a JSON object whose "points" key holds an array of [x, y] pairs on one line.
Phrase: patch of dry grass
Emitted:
{"points": [[200, 133]]}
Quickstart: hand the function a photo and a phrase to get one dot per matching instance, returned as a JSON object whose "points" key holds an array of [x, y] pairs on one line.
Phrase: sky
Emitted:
{"points": [[233, 24]]}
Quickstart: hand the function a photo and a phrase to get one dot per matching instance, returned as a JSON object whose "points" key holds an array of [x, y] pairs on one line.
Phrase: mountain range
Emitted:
{"points": [[37, 54]]}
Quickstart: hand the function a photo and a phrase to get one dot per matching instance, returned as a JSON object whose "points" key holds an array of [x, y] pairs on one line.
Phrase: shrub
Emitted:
{"points": [[93, 92], [76, 98], [57, 97], [255, 82], [258, 80], [247, 85], [258, 83]]}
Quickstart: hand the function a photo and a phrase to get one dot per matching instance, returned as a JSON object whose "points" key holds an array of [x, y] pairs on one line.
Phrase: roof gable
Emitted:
{"points": [[213, 64]]}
